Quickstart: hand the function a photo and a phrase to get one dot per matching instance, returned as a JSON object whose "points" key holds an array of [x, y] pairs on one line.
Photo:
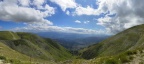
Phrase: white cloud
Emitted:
{"points": [[86, 22], [120, 14], [45, 27], [64, 4], [86, 11], [11, 11], [24, 2], [77, 21], [38, 3], [128, 13], [68, 12]]}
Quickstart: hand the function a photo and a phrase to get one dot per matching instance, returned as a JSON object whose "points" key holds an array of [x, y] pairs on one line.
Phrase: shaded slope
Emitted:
{"points": [[130, 39], [14, 57]]}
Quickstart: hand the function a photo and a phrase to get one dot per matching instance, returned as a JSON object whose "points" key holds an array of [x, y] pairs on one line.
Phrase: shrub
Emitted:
{"points": [[111, 61], [124, 59], [14, 61], [2, 58], [131, 52]]}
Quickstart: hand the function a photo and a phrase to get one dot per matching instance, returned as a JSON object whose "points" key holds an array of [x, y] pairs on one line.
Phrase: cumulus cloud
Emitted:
{"points": [[24, 2], [39, 3], [19, 11], [64, 4], [122, 14], [118, 14], [86, 11], [45, 27], [77, 21]]}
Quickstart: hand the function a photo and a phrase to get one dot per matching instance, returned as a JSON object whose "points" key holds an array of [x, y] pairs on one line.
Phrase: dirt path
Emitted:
{"points": [[12, 35]]}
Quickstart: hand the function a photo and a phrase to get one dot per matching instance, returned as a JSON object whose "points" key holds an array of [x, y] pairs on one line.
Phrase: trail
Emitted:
{"points": [[13, 36]]}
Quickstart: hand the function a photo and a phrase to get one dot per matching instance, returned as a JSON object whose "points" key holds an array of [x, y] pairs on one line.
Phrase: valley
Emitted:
{"points": [[71, 31], [125, 47], [73, 41]]}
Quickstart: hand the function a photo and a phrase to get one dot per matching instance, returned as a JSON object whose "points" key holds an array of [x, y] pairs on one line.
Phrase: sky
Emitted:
{"points": [[71, 16]]}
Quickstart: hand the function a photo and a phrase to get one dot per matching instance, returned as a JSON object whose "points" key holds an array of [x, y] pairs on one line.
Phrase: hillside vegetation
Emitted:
{"points": [[27, 47], [7, 35], [118, 49]]}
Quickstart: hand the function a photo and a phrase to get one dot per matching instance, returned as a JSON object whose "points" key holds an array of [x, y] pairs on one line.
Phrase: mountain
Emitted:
{"points": [[80, 43], [124, 47], [73, 41], [87, 41], [62, 35], [26, 47]]}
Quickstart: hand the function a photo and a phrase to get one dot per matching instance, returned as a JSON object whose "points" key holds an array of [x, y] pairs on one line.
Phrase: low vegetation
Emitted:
{"points": [[26, 48]]}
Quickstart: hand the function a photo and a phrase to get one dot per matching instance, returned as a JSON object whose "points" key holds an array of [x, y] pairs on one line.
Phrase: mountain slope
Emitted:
{"points": [[7, 35], [34, 46], [128, 40]]}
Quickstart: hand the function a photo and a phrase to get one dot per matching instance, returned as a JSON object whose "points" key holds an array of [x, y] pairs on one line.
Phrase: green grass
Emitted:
{"points": [[18, 48], [121, 58], [119, 49], [129, 39], [47, 47], [7, 35], [10, 55]]}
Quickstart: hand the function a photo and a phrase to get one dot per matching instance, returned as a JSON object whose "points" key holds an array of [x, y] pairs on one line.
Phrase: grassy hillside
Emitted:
{"points": [[7, 35], [12, 56], [27, 45], [117, 46]]}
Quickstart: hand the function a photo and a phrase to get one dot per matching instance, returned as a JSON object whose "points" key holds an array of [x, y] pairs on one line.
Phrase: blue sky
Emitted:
{"points": [[72, 16]]}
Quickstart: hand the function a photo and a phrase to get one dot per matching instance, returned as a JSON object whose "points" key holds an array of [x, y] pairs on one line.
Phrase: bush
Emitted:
{"points": [[14, 61], [124, 59], [111, 61], [20, 42], [2, 58], [131, 52]]}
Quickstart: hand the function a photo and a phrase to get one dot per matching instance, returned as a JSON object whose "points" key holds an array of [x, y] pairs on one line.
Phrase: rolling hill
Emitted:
{"points": [[25, 47]]}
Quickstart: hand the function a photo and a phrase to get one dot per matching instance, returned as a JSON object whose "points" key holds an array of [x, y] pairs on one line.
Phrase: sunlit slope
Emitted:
{"points": [[130, 39], [8, 35], [12, 56]]}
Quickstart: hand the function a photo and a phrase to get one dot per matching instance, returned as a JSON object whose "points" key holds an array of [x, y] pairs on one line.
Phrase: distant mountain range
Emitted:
{"points": [[73, 41]]}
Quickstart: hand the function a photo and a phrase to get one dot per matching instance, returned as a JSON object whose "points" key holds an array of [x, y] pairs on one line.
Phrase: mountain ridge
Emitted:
{"points": [[127, 39], [119, 49], [34, 46]]}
